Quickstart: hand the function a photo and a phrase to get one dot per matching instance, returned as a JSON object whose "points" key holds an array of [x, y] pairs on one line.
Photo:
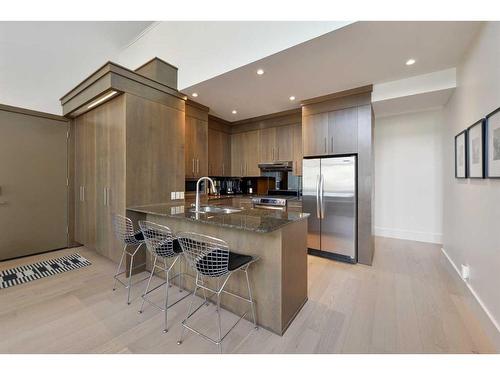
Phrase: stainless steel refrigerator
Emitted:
{"points": [[329, 195]]}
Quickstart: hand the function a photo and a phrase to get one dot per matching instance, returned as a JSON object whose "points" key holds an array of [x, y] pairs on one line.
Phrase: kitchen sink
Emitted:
{"points": [[216, 210]]}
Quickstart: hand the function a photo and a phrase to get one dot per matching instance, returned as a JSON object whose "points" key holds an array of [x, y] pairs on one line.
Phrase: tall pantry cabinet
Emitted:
{"points": [[128, 151]]}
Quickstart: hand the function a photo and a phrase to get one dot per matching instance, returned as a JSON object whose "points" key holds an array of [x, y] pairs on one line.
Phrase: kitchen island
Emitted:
{"points": [[277, 238]]}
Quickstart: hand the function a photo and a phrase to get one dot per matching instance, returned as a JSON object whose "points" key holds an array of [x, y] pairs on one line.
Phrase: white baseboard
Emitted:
{"points": [[489, 315], [411, 235]]}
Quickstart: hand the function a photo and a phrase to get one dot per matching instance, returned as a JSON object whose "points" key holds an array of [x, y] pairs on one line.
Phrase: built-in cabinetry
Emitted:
{"points": [[219, 153], [129, 151], [196, 149], [219, 147], [333, 132], [297, 149], [276, 144], [279, 139], [340, 124], [84, 141], [245, 154]]}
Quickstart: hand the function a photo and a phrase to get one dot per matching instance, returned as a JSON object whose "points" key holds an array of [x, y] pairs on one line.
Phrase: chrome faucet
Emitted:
{"points": [[197, 204]]}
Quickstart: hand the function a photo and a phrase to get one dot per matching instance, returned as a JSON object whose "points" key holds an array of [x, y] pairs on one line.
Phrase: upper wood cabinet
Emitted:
{"points": [[276, 144], [297, 149], [267, 139], [251, 153], [343, 131], [315, 134], [196, 144], [284, 143], [237, 158], [219, 153], [245, 154], [332, 132]]}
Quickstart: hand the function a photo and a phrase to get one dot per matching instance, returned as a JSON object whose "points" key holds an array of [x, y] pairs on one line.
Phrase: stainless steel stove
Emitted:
{"points": [[270, 203]]}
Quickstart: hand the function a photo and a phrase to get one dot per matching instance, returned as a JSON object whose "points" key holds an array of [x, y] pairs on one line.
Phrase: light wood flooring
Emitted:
{"points": [[407, 302]]}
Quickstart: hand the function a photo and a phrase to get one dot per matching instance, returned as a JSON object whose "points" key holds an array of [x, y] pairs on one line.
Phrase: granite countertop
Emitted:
{"points": [[250, 219]]}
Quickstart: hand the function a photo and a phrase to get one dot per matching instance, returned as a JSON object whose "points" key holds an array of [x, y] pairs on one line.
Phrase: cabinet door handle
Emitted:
{"points": [[331, 141], [223, 169], [105, 193], [81, 197], [273, 153], [83, 193], [325, 144], [278, 158], [198, 166], [192, 169]]}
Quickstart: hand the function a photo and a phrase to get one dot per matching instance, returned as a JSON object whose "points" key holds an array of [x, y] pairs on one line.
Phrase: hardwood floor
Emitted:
{"points": [[407, 302]]}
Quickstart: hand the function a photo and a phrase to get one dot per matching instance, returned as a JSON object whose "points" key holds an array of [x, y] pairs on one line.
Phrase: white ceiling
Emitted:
{"points": [[205, 49], [41, 61], [355, 55]]}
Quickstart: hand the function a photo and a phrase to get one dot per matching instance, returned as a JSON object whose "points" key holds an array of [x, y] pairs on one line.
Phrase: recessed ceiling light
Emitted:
{"points": [[194, 94], [234, 111], [410, 62], [260, 71], [292, 98]]}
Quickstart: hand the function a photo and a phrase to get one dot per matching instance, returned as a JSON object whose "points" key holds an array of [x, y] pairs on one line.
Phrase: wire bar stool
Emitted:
{"points": [[210, 257], [124, 231], [161, 244]]}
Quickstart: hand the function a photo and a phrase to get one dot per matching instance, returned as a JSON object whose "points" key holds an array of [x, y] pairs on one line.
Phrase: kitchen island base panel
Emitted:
{"points": [[278, 279]]}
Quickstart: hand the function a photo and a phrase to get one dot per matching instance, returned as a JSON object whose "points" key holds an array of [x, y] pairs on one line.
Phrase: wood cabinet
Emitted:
{"points": [[315, 134], [219, 153], [284, 143], [196, 151], [237, 158], [109, 122], [343, 131], [297, 149], [333, 132], [85, 159], [267, 145], [196, 144], [245, 154], [128, 152], [251, 152], [276, 144]]}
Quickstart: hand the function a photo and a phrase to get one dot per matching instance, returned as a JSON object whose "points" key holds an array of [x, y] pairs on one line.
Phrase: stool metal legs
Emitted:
{"points": [[167, 269], [218, 292], [119, 267], [131, 268]]}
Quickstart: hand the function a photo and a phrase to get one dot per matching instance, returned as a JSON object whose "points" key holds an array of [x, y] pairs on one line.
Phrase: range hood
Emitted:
{"points": [[278, 166]]}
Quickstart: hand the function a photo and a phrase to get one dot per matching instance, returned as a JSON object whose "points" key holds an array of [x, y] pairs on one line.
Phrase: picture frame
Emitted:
{"points": [[475, 150], [461, 155], [492, 144]]}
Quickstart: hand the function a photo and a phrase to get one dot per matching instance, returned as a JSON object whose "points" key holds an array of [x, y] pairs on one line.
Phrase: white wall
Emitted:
{"points": [[408, 176], [471, 229]]}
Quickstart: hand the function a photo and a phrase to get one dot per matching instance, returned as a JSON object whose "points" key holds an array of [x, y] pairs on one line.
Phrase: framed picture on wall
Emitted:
{"points": [[475, 150], [493, 144], [461, 155]]}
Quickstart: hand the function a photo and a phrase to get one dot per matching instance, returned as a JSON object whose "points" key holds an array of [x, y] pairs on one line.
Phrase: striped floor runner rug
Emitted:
{"points": [[23, 274]]}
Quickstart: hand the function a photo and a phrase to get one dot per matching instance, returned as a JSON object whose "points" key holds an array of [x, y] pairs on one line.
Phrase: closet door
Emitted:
{"points": [[85, 179], [110, 173]]}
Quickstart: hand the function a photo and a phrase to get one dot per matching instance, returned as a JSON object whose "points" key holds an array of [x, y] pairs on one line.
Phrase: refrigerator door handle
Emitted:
{"points": [[321, 193], [318, 179]]}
